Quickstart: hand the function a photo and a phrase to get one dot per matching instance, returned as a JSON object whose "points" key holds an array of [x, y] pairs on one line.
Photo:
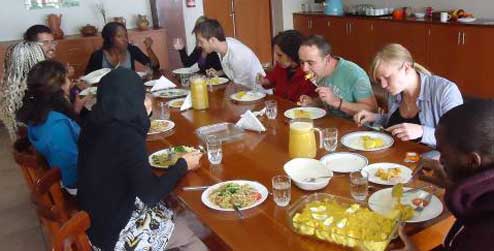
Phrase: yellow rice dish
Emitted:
{"points": [[370, 143], [351, 226]]}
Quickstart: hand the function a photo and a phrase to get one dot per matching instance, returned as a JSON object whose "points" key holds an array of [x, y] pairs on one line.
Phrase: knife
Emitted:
{"points": [[194, 188]]}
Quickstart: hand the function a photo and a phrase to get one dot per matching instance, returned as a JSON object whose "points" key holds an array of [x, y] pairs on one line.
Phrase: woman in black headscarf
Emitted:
{"points": [[116, 184]]}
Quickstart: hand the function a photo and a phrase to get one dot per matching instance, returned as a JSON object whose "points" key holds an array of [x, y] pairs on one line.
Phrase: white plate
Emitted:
{"points": [[89, 91], [467, 19], [353, 140], [221, 81], [315, 112], [171, 93], [249, 96], [406, 173], [188, 70], [344, 162], [170, 125], [150, 83], [95, 76], [150, 158], [172, 103], [381, 202], [256, 185]]}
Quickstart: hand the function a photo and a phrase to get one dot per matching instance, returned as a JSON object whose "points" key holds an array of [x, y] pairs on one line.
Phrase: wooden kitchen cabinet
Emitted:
{"points": [[412, 36], [246, 21], [459, 52], [302, 24], [360, 43], [463, 55], [335, 30]]}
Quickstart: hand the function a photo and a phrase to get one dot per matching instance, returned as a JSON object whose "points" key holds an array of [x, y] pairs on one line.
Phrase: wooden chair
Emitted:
{"points": [[47, 196], [32, 165], [72, 235]]}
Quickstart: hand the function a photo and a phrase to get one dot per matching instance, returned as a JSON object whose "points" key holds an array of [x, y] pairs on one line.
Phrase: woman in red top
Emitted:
{"points": [[287, 77]]}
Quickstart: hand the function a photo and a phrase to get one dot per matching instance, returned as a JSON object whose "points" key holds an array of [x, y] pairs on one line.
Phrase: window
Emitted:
{"points": [[42, 4]]}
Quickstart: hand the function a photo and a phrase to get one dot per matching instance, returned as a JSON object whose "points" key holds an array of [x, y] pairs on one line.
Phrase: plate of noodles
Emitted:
{"points": [[159, 126], [168, 156], [244, 194]]}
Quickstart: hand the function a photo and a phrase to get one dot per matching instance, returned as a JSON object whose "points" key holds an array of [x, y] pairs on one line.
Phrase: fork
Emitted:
{"points": [[425, 202], [235, 207]]}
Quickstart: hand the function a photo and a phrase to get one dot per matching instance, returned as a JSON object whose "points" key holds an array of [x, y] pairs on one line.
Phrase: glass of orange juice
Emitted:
{"points": [[199, 92]]}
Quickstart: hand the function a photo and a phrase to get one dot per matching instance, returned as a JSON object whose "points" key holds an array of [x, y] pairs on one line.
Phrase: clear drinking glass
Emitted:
{"points": [[330, 139], [271, 109], [215, 153], [359, 185], [281, 190], [164, 111]]}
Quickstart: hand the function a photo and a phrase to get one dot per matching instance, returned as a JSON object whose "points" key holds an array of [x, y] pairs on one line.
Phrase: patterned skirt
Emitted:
{"points": [[149, 228]]}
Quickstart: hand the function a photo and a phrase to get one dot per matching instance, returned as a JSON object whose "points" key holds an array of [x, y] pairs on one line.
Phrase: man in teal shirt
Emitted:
{"points": [[342, 85]]}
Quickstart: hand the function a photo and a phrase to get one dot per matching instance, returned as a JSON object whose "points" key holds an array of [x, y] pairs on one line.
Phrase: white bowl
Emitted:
{"points": [[419, 14], [300, 168]]}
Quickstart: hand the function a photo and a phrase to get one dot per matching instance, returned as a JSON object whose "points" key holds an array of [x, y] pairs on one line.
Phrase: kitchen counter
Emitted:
{"points": [[478, 22]]}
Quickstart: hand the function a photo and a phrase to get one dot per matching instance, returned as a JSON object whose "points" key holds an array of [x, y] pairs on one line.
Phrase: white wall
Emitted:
{"points": [[190, 17], [15, 19], [290, 6]]}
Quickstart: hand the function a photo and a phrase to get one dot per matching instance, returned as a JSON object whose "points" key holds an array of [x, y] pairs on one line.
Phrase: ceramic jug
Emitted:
{"points": [[54, 22], [142, 22], [199, 92], [302, 139]]}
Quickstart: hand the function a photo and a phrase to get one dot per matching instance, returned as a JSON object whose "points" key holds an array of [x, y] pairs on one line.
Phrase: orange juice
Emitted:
{"points": [[199, 93], [302, 140]]}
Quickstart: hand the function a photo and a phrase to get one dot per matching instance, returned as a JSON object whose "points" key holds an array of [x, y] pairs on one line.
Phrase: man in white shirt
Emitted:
{"points": [[239, 63]]}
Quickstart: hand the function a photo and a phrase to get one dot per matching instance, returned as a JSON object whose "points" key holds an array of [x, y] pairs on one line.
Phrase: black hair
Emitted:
{"points": [[320, 42], [468, 127], [32, 32], [210, 28], [289, 42], [44, 93], [108, 34]]}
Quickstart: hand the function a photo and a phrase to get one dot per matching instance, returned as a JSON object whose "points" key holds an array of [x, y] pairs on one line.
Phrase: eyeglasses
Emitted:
{"points": [[47, 43]]}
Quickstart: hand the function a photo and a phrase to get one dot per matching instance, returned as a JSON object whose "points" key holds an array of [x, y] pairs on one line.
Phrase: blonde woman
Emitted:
{"points": [[417, 99], [19, 59]]}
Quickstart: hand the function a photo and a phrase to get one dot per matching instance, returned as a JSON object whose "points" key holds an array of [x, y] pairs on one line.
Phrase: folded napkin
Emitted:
{"points": [[249, 121], [187, 104], [162, 83], [90, 103]]}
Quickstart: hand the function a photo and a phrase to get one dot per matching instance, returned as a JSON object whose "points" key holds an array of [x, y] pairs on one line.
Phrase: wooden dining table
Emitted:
{"points": [[258, 156]]}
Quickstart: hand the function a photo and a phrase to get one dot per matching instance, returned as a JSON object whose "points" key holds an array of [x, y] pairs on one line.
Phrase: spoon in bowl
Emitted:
{"points": [[313, 179]]}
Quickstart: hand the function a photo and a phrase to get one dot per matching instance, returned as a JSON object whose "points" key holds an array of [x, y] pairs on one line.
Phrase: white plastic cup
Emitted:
{"points": [[444, 17]]}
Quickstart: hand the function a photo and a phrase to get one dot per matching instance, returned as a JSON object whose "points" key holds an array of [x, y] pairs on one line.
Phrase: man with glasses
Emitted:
{"points": [[43, 36], [343, 86]]}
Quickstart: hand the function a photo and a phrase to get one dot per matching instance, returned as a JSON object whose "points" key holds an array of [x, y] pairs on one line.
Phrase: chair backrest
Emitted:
{"points": [[32, 164], [48, 196], [73, 234]]}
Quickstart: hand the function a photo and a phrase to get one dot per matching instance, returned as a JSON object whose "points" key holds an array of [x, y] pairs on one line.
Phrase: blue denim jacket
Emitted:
{"points": [[437, 96]]}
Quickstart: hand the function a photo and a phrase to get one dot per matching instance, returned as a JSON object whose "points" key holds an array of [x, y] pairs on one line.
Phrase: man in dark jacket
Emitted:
{"points": [[466, 141]]}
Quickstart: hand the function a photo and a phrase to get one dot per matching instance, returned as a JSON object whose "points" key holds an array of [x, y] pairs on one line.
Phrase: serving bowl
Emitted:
{"points": [[303, 168]]}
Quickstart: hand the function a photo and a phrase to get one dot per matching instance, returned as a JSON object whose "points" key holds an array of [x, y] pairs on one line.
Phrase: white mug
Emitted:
{"points": [[444, 17]]}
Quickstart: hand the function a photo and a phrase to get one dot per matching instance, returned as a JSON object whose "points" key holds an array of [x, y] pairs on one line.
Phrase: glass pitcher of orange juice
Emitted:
{"points": [[302, 139], [199, 92]]}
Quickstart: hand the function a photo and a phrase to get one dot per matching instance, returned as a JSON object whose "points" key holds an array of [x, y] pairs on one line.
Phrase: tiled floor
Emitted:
{"points": [[20, 229]]}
